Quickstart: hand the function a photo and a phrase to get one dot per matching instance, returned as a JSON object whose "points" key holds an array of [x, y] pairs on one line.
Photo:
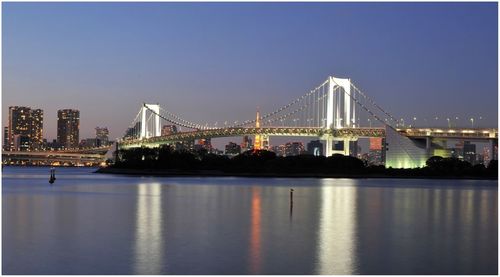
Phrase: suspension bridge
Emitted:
{"points": [[333, 112]]}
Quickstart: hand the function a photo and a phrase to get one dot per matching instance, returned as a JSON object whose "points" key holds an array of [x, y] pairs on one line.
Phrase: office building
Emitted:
{"points": [[68, 128]]}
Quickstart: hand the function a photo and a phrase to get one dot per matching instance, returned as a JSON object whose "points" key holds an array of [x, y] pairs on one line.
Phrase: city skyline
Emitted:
{"points": [[218, 62]]}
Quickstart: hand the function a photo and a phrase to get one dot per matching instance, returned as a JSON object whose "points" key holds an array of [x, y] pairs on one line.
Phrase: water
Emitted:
{"points": [[108, 224]]}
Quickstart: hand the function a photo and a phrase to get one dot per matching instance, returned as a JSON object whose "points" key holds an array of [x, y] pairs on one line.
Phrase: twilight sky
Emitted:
{"points": [[213, 62]]}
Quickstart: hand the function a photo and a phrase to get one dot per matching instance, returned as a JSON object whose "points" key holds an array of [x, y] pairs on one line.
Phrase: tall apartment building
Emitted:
{"points": [[68, 128], [26, 125]]}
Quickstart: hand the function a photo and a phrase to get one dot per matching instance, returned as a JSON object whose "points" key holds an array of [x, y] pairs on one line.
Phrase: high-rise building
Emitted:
{"points": [[315, 147], [19, 123], [168, 130], [68, 128], [101, 136], [28, 124], [36, 137]]}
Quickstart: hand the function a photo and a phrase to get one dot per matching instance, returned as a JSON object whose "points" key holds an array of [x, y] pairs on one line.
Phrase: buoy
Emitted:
{"points": [[52, 175]]}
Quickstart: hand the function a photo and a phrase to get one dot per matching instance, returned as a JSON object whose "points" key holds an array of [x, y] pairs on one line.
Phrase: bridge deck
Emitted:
{"points": [[353, 133]]}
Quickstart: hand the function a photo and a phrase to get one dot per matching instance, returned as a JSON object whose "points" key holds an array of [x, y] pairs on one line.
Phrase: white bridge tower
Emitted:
{"points": [[340, 112], [154, 111]]}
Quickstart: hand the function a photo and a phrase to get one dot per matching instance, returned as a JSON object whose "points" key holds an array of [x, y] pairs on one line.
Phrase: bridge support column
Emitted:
{"points": [[331, 143], [329, 146]]}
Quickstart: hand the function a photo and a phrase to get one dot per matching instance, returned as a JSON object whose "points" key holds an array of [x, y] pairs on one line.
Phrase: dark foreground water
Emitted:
{"points": [[107, 224]]}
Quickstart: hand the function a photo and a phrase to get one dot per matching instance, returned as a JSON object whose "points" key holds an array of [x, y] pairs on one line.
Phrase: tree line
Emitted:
{"points": [[262, 161]]}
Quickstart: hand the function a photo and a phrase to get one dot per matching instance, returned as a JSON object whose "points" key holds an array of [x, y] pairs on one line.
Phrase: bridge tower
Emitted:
{"points": [[340, 113], [154, 111]]}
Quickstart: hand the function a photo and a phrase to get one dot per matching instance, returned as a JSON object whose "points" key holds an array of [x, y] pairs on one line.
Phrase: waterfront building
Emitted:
{"points": [[68, 128]]}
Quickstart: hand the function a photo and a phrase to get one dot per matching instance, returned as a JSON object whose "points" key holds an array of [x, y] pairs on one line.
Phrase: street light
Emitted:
{"points": [[449, 125], [472, 122]]}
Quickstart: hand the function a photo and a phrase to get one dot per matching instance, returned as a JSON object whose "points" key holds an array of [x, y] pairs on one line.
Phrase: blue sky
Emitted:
{"points": [[218, 61]]}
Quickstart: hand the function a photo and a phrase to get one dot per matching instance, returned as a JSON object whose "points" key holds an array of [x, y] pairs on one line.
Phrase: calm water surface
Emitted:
{"points": [[108, 224]]}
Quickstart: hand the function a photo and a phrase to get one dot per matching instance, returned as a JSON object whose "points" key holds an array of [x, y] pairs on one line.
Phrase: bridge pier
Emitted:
{"points": [[332, 146]]}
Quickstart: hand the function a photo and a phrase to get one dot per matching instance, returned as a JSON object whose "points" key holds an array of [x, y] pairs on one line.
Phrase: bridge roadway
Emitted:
{"points": [[351, 133], [242, 131], [51, 156]]}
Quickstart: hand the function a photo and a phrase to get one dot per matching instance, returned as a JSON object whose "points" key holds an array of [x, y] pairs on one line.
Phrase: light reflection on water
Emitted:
{"points": [[255, 243], [336, 230], [149, 243], [103, 224]]}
